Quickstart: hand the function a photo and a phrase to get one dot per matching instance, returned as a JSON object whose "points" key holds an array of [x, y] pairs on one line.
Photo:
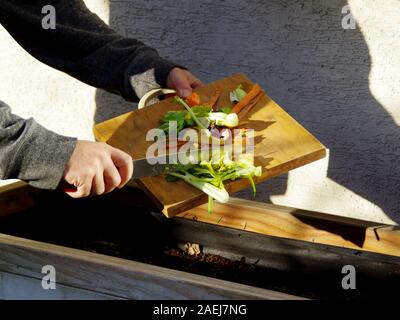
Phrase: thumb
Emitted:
{"points": [[183, 88], [178, 79]]}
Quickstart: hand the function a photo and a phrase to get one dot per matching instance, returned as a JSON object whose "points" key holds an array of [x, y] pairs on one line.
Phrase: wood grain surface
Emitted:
{"points": [[15, 197], [240, 214], [117, 277], [290, 223], [281, 143]]}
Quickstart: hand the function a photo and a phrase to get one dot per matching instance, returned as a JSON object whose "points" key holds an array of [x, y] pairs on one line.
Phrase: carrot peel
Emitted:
{"points": [[255, 93]]}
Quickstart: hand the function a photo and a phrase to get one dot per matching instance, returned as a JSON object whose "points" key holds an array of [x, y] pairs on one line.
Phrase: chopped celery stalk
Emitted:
{"points": [[253, 185], [232, 120], [221, 195], [189, 109], [226, 120], [210, 204], [214, 116], [193, 115], [205, 121], [209, 175]]}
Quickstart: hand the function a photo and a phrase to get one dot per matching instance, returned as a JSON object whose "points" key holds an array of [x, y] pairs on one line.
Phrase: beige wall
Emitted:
{"points": [[344, 86]]}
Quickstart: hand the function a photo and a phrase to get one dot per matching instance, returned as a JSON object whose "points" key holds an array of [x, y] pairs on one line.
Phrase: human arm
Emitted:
{"points": [[83, 46]]}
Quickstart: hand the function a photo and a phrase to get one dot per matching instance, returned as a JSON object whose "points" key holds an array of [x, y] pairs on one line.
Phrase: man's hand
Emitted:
{"points": [[96, 168], [183, 82]]}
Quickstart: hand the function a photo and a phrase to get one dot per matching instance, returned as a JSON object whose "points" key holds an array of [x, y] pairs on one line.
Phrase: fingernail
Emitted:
{"points": [[185, 93]]}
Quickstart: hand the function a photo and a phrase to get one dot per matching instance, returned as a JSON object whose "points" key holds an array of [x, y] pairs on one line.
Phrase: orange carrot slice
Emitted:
{"points": [[242, 114], [193, 99]]}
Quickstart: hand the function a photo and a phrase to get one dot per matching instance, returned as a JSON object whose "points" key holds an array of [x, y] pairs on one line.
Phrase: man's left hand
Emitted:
{"points": [[183, 82]]}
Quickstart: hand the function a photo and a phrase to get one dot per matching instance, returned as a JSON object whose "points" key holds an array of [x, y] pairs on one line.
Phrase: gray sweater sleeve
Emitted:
{"points": [[83, 46], [30, 152]]}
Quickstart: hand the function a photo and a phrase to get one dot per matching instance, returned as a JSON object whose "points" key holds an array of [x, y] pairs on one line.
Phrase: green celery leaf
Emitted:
{"points": [[226, 110]]}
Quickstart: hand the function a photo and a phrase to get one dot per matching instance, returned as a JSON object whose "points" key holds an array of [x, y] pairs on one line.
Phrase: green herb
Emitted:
{"points": [[219, 194], [201, 111], [178, 116], [184, 119]]}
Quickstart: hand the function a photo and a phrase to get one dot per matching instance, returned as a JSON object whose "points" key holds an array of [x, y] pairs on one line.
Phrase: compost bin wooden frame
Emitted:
{"points": [[85, 274]]}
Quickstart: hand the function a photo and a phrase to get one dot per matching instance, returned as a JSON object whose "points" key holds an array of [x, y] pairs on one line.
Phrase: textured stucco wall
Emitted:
{"points": [[343, 85]]}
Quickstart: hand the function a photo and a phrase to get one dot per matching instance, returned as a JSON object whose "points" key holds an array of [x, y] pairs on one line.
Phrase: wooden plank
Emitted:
{"points": [[267, 219], [16, 287], [15, 197], [281, 144], [118, 277], [301, 225], [304, 268], [278, 252]]}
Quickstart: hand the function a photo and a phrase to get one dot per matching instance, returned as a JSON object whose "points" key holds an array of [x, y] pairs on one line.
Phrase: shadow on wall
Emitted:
{"points": [[300, 54]]}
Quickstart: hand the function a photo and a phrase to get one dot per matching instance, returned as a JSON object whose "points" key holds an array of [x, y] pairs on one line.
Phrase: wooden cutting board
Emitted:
{"points": [[281, 144]]}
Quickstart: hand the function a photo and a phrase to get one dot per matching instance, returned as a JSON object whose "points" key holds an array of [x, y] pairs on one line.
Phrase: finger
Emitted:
{"points": [[83, 187], [124, 164], [194, 82], [183, 88], [180, 80], [112, 178], [98, 185], [197, 84], [125, 172]]}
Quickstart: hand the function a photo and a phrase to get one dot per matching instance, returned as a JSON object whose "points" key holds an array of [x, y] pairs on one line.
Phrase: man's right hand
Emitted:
{"points": [[96, 168]]}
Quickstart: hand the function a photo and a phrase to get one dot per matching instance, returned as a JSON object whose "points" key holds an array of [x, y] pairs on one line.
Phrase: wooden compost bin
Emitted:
{"points": [[121, 251]]}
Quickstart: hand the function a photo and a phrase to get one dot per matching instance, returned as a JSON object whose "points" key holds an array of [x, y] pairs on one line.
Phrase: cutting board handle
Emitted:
{"points": [[153, 94]]}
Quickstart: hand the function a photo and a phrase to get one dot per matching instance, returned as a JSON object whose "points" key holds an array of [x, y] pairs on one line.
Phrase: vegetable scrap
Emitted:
{"points": [[213, 169]]}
